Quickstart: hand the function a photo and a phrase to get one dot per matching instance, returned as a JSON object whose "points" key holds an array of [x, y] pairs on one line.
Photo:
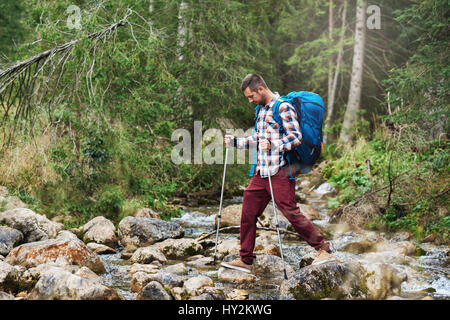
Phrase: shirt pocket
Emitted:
{"points": [[271, 124]]}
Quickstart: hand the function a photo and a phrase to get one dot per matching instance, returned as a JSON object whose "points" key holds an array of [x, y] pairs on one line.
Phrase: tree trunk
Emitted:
{"points": [[182, 28], [354, 96], [330, 61], [332, 94]]}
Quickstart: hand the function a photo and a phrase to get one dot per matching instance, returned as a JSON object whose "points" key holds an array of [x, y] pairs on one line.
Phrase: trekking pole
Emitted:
{"points": [[221, 200], [276, 216]]}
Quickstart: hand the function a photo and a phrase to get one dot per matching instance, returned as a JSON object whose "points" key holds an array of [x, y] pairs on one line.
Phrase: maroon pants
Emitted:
{"points": [[257, 196]]}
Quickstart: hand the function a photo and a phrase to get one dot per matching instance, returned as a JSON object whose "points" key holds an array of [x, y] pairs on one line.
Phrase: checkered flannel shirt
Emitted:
{"points": [[268, 128]]}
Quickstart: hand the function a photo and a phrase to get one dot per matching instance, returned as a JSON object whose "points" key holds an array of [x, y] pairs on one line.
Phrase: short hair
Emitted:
{"points": [[253, 81]]}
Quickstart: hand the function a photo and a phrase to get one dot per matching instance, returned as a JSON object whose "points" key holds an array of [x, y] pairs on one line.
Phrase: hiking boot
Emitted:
{"points": [[238, 264], [323, 256]]}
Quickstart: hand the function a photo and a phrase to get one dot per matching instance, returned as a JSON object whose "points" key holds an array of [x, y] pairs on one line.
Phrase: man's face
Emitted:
{"points": [[256, 97]]}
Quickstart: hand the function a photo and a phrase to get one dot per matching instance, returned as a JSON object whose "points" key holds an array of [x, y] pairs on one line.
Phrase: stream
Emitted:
{"points": [[427, 274]]}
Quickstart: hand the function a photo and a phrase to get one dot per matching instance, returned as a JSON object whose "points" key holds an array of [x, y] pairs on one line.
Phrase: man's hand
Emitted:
{"points": [[229, 140], [264, 145]]}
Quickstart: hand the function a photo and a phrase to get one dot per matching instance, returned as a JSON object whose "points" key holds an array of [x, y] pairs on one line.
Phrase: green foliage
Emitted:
{"points": [[12, 30], [110, 200], [123, 95]]}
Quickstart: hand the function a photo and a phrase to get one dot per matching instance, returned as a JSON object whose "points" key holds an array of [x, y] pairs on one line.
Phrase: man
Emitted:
{"points": [[271, 146]]}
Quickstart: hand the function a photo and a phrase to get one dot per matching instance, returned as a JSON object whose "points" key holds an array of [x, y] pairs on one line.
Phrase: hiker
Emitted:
{"points": [[270, 147]]}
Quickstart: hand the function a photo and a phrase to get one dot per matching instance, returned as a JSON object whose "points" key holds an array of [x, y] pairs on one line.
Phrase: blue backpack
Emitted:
{"points": [[310, 110]]}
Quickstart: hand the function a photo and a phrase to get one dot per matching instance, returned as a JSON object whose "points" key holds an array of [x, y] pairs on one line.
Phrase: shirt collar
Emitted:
{"points": [[272, 102]]}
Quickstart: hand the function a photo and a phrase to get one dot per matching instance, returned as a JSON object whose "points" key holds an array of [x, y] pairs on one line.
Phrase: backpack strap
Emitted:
{"points": [[276, 114], [255, 151], [277, 118]]}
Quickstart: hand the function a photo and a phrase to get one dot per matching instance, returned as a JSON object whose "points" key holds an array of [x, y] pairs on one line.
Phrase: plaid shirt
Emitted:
{"points": [[268, 128]]}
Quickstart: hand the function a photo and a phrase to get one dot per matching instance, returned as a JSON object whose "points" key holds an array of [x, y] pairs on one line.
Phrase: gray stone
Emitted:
{"points": [[146, 231], [6, 296], [59, 284], [34, 227], [66, 249], [100, 230], [9, 238], [153, 291], [326, 280]]}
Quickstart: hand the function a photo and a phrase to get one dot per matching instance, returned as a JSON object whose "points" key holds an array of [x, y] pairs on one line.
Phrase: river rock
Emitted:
{"points": [[100, 248], [237, 294], [9, 238], [168, 280], [327, 280], [146, 231], [194, 285], [146, 213], [8, 277], [226, 247], [179, 268], [383, 280], [231, 215], [268, 264], [263, 244], [33, 226], [201, 262], [86, 273], [179, 248], [153, 291], [235, 276], [358, 247], [6, 296], [307, 259], [100, 230], [66, 249], [147, 255], [146, 268], [59, 284]]}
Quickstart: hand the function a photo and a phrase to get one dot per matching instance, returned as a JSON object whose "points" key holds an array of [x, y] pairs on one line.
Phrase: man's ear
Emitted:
{"points": [[261, 89]]}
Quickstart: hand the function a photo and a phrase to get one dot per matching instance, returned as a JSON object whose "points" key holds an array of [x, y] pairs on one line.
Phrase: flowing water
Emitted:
{"points": [[427, 274]]}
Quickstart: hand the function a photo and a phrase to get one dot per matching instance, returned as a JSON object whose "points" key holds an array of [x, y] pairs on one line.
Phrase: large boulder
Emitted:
{"points": [[147, 255], [153, 291], [100, 230], [327, 280], [226, 247], [66, 249], [34, 227], [9, 238], [179, 248], [194, 285], [268, 264], [231, 216], [59, 284], [236, 277], [167, 279], [143, 232]]}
